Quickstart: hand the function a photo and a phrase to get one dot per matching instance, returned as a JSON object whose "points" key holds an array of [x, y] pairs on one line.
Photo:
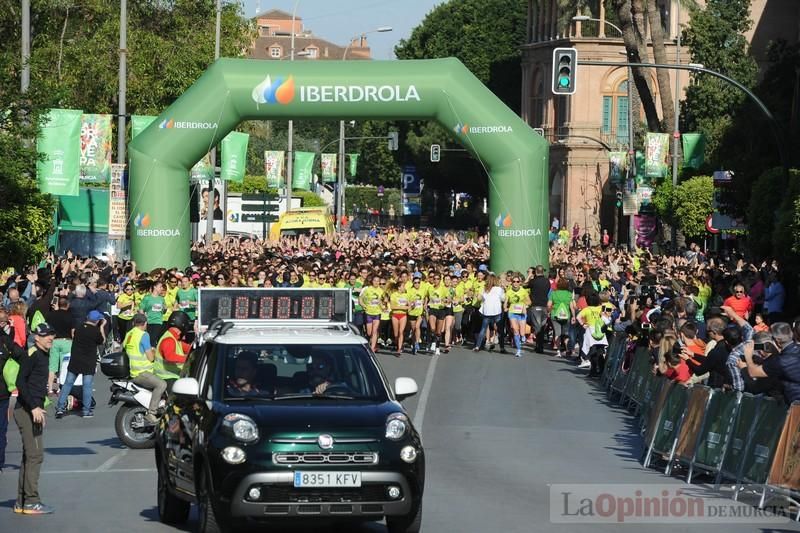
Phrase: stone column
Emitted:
{"points": [[601, 31]]}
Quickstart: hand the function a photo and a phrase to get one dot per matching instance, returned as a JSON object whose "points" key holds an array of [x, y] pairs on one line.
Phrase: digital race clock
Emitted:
{"points": [[262, 304]]}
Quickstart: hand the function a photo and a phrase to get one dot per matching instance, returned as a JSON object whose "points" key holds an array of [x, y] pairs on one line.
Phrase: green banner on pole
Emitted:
{"points": [[353, 164], [234, 156], [656, 153], [203, 169], [328, 164], [694, 147], [303, 170], [139, 123], [96, 148], [59, 144], [617, 165], [273, 167]]}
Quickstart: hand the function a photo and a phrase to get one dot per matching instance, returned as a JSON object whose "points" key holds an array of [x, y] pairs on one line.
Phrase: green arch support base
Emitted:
{"points": [[233, 90]]}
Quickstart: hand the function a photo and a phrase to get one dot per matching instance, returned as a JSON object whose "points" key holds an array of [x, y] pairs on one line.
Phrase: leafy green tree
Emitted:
{"points": [[694, 200], [716, 37]]}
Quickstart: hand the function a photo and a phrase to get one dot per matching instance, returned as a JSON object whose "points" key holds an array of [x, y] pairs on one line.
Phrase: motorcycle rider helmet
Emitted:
{"points": [[180, 320]]}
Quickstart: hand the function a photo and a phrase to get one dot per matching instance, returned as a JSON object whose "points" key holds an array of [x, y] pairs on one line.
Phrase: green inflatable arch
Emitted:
{"points": [[233, 90]]}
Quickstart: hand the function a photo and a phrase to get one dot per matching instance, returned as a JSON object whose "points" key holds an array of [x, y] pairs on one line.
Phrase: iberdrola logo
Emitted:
{"points": [[461, 128], [272, 92], [142, 221], [503, 221]]}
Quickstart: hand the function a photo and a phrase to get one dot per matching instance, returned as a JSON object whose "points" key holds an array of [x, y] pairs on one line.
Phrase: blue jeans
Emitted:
{"points": [[487, 321], [67, 388], [3, 430]]}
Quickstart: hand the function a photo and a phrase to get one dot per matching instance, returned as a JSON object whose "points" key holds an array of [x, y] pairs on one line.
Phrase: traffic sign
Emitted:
{"points": [[247, 217], [259, 197], [268, 206], [380, 191]]}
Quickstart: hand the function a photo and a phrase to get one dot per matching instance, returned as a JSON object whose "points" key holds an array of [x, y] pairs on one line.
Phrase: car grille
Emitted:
{"points": [[366, 493], [338, 458]]}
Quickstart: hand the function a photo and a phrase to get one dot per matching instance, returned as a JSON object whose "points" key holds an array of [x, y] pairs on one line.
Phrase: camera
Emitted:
{"points": [[759, 346]]}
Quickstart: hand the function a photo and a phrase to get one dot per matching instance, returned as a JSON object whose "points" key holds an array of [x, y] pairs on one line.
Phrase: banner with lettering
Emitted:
{"points": [[328, 164], [656, 153], [617, 165], [694, 147], [234, 156], [59, 145], [273, 167], [117, 200], [139, 123], [646, 227], [303, 170], [95, 148], [353, 164], [203, 169]]}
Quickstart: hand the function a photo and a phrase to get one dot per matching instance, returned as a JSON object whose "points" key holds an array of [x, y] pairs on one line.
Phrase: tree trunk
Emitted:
{"points": [[660, 56], [637, 54]]}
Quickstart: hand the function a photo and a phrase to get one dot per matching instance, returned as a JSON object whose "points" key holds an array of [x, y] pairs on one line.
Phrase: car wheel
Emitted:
{"points": [[171, 509], [132, 429], [208, 520], [410, 523]]}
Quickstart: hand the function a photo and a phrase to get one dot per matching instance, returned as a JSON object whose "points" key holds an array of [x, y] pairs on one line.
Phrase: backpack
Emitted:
{"points": [[562, 311]]}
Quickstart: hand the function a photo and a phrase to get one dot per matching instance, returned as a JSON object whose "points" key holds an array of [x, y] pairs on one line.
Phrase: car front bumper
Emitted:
{"points": [[279, 497]]}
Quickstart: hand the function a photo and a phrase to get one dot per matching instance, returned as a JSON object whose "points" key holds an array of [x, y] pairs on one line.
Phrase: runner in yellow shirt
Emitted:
{"points": [[370, 299], [416, 299], [435, 309], [518, 299], [460, 284]]}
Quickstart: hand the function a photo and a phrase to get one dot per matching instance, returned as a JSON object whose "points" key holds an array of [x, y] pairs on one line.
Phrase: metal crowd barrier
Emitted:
{"points": [[740, 438]]}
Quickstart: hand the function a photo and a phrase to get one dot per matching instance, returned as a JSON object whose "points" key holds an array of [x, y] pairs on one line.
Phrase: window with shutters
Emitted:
{"points": [[614, 122]]}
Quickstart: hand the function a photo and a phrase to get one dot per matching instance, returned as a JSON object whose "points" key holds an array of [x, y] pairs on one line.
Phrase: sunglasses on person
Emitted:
{"points": [[516, 281], [738, 292]]}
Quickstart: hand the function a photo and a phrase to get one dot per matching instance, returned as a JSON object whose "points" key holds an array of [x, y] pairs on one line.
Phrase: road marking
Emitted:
{"points": [[97, 471], [111, 461], [419, 416]]}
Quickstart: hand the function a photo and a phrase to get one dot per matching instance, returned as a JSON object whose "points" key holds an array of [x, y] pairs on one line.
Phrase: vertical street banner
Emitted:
{"points": [[303, 170], [694, 147], [234, 156], [617, 165], [139, 123], [328, 164], [646, 230], [656, 153], [59, 145], [353, 164], [273, 167], [117, 200], [412, 191], [95, 148]]}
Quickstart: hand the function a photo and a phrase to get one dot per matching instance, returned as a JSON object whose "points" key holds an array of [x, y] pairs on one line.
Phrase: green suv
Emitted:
{"points": [[288, 423]]}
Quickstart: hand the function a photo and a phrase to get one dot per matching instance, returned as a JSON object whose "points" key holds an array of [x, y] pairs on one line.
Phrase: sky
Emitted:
{"points": [[339, 20]]}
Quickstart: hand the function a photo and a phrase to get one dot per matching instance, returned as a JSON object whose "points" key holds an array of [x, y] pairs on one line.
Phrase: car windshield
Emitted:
{"points": [[283, 372]]}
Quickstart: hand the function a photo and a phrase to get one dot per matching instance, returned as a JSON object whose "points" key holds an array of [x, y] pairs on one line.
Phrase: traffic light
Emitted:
{"points": [[436, 153], [393, 141], [619, 198], [565, 62]]}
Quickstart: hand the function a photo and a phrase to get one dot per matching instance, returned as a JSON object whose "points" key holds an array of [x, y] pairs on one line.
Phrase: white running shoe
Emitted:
{"points": [[585, 364], [519, 353], [558, 354]]}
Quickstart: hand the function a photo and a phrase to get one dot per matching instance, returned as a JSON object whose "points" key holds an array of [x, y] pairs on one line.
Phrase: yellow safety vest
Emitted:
{"points": [[137, 359], [164, 369]]}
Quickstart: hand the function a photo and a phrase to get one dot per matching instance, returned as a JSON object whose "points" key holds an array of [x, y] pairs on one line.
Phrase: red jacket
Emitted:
{"points": [[167, 348]]}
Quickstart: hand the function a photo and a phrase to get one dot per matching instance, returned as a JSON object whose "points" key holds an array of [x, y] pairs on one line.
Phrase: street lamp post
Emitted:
{"points": [[631, 150], [675, 132], [210, 210], [289, 153], [339, 209]]}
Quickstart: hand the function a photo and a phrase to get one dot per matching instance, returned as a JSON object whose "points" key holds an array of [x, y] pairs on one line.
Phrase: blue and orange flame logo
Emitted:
{"points": [[503, 221], [274, 92], [142, 221], [167, 124], [461, 128]]}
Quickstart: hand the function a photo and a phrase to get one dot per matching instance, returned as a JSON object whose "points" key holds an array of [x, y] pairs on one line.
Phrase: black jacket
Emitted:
{"points": [[32, 379]]}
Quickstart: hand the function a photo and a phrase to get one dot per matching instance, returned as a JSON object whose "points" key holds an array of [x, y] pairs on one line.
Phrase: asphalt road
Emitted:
{"points": [[498, 432]]}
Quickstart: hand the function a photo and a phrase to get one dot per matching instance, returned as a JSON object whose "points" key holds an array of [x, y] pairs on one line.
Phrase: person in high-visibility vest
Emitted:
{"points": [[172, 350], [141, 355]]}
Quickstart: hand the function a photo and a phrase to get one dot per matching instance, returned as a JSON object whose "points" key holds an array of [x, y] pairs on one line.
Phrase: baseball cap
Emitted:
{"points": [[95, 316], [44, 330], [417, 275], [483, 268]]}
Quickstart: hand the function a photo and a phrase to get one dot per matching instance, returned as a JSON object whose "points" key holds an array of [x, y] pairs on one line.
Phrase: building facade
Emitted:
{"points": [[274, 40], [584, 127]]}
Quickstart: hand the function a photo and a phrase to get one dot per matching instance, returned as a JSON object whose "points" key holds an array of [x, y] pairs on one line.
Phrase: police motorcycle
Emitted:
{"points": [[130, 424]]}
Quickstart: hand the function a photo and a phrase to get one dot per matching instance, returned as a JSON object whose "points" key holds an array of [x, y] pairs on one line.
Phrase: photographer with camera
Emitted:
{"points": [[780, 359]]}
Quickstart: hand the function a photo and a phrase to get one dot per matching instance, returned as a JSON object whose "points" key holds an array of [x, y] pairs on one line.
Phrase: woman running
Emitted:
{"points": [[517, 301], [416, 300], [370, 299], [398, 303]]}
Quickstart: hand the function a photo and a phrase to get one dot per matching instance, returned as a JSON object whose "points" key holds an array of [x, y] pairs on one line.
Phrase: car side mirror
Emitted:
{"points": [[186, 387], [404, 387]]}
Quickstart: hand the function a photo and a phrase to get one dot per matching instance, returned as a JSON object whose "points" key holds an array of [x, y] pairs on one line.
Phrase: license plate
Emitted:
{"points": [[327, 479]]}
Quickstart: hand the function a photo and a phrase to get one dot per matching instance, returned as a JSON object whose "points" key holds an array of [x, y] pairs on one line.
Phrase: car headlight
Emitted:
{"points": [[241, 427], [396, 426]]}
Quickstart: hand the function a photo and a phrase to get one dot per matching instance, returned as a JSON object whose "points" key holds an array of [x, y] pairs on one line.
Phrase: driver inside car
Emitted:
{"points": [[322, 376], [243, 380]]}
